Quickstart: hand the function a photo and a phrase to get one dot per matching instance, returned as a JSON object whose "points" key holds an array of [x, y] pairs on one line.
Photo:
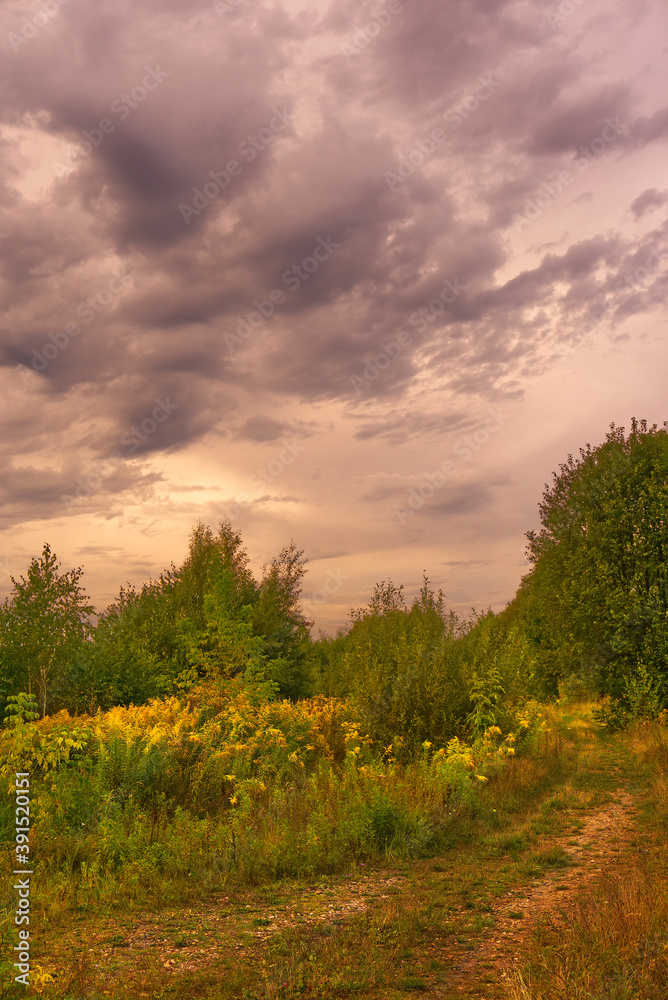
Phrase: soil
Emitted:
{"points": [[602, 838], [240, 927]]}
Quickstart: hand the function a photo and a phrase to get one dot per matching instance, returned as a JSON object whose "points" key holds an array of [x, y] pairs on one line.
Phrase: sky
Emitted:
{"points": [[359, 275]]}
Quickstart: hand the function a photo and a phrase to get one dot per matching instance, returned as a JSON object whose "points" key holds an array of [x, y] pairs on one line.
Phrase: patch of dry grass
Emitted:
{"points": [[612, 944]]}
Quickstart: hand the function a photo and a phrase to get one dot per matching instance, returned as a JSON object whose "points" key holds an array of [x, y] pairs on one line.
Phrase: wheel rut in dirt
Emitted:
{"points": [[591, 851]]}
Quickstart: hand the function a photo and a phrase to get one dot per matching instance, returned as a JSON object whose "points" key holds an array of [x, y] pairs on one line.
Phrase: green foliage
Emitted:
{"points": [[207, 619], [597, 599], [486, 695], [21, 708], [386, 598], [253, 787], [44, 623], [501, 669], [402, 668], [132, 657], [278, 619], [225, 646], [40, 747], [643, 700]]}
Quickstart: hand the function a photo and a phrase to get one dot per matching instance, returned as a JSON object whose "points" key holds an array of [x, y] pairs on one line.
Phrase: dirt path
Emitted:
{"points": [[594, 849], [227, 927], [452, 957], [201, 936]]}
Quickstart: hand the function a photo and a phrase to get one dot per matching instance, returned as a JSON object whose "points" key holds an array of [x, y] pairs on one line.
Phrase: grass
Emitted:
{"points": [[390, 926], [613, 944]]}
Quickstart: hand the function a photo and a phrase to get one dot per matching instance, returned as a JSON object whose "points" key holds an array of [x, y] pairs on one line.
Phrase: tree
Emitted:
{"points": [[385, 599], [207, 618], [131, 657], [278, 618], [210, 560], [44, 622], [598, 592]]}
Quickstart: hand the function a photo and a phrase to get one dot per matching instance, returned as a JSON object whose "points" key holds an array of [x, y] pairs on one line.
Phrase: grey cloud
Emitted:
{"points": [[646, 130], [29, 493], [458, 500], [262, 428], [647, 201], [319, 556], [276, 498], [577, 123], [465, 563], [582, 199], [321, 176], [408, 424]]}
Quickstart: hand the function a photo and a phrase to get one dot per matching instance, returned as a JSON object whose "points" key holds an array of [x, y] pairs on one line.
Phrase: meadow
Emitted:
{"points": [[201, 799], [127, 836]]}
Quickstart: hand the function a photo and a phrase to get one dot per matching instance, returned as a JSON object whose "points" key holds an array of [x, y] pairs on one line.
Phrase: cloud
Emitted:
{"points": [[465, 563], [234, 217], [646, 202], [648, 129]]}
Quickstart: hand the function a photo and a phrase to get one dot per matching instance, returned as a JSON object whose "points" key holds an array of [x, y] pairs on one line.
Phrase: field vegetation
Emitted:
{"points": [[195, 742]]}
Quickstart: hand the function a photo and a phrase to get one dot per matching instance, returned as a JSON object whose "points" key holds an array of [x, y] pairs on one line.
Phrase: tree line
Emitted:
{"points": [[208, 617], [590, 616]]}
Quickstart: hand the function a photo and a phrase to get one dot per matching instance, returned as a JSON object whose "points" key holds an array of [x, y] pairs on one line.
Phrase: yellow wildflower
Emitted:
{"points": [[40, 979]]}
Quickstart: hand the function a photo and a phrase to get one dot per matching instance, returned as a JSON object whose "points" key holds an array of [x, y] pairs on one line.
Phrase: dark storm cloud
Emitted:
{"points": [[164, 416], [142, 110], [29, 493]]}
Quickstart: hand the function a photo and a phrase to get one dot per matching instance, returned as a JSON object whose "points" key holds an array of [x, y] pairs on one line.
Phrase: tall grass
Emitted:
{"points": [[613, 943], [227, 786]]}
